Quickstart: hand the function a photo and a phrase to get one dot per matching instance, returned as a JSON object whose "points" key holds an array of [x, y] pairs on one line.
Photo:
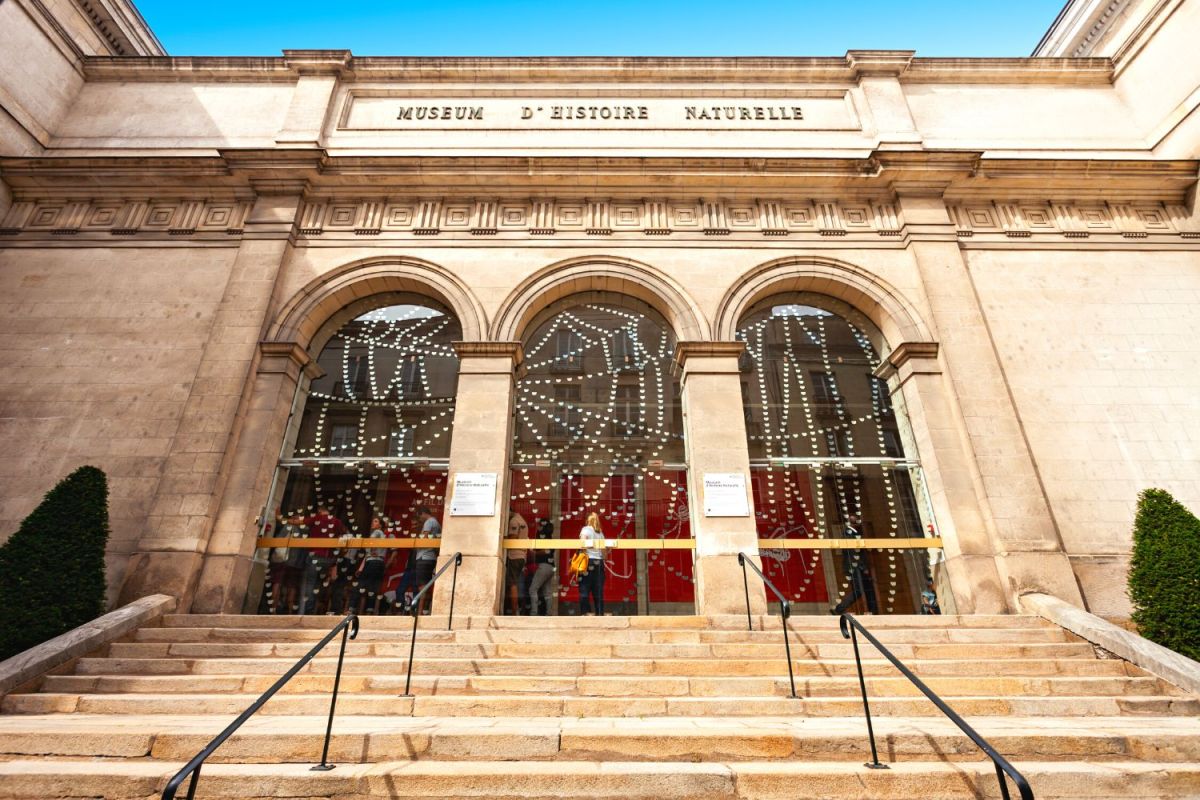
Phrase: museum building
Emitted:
{"points": [[910, 332]]}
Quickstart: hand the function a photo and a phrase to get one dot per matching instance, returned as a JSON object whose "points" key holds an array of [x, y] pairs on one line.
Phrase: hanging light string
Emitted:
{"points": [[783, 511], [413, 337], [614, 431]]}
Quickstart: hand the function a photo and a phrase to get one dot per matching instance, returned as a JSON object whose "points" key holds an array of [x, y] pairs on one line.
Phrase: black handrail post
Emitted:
{"points": [[874, 763], [192, 784], [454, 590], [325, 766], [416, 613], [412, 648], [746, 587], [1003, 782], [785, 611]]}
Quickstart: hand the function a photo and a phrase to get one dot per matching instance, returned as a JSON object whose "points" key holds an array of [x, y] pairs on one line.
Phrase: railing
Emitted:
{"points": [[349, 625], [785, 611], [850, 629], [415, 606]]}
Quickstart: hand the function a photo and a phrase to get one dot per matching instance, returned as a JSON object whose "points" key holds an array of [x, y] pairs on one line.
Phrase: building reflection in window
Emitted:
{"points": [[598, 427], [828, 460], [369, 450]]}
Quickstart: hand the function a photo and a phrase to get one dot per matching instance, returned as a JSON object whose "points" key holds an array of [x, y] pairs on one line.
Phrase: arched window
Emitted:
{"points": [[828, 462], [371, 443], [598, 427]]}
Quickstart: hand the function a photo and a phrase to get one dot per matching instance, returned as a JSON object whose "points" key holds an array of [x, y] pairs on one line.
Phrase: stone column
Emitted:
{"points": [[1015, 511], [283, 367], [921, 396], [169, 553], [481, 442], [714, 433]]}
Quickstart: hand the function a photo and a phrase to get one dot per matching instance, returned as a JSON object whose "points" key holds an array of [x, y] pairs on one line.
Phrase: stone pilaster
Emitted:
{"points": [[481, 442], [169, 553], [319, 72], [282, 369], [714, 432], [921, 396], [1014, 509]]}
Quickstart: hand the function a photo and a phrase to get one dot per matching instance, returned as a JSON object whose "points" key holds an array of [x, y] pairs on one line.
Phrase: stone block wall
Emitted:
{"points": [[100, 348], [1099, 351]]}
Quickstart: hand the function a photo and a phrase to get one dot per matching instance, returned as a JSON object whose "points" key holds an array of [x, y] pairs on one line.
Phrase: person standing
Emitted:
{"points": [[514, 563], [858, 570], [424, 559], [318, 572], [370, 570], [287, 569], [540, 585], [591, 583]]}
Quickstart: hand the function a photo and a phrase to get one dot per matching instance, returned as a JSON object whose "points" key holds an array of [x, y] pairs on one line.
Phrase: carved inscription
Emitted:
{"points": [[419, 113], [823, 111]]}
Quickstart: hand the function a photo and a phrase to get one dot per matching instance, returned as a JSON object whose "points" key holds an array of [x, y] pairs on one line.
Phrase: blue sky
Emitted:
{"points": [[602, 27]]}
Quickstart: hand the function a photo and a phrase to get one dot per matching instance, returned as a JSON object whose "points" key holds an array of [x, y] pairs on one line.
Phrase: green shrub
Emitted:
{"points": [[1164, 577], [52, 568]]}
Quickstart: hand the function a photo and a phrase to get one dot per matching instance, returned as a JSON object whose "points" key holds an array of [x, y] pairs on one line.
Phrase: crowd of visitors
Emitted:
{"points": [[336, 580]]}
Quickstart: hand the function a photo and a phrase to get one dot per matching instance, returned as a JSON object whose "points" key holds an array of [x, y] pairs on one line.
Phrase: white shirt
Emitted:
{"points": [[432, 529], [593, 542]]}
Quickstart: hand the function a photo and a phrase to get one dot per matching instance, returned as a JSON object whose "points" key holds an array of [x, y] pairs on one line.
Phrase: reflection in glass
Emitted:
{"points": [[599, 428], [368, 452], [828, 460]]}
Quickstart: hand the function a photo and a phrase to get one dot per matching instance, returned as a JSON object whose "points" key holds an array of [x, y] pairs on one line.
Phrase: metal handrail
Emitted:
{"points": [[415, 608], [785, 611], [850, 628], [349, 625]]}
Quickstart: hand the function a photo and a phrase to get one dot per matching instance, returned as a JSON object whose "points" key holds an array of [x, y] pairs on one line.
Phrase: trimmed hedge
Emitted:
{"points": [[1164, 576], [52, 568]]}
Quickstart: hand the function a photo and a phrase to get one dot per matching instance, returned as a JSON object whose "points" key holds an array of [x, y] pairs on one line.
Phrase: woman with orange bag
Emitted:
{"points": [[591, 583]]}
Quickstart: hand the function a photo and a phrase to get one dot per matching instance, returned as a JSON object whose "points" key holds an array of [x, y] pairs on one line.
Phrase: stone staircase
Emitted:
{"points": [[642, 707]]}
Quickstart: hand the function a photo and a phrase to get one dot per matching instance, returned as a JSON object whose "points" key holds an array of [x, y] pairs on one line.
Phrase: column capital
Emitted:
{"points": [[686, 350], [510, 350], [287, 357], [908, 358]]}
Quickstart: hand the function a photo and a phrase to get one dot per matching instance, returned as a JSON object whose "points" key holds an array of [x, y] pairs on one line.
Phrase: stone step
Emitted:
{"points": [[719, 622], [800, 650], [642, 666], [610, 686], [443, 705], [522, 780], [623, 636], [378, 739]]}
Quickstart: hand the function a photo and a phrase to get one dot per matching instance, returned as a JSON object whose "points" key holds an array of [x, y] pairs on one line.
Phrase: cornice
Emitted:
{"points": [[1059, 71], [122, 26], [1078, 26], [591, 70], [870, 176]]}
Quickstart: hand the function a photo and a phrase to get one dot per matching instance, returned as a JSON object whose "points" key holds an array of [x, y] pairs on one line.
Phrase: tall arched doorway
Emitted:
{"points": [[842, 513], [367, 450], [598, 428]]}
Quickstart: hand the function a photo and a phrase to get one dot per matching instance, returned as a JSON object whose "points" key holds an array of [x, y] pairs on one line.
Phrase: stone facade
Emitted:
{"points": [[178, 234]]}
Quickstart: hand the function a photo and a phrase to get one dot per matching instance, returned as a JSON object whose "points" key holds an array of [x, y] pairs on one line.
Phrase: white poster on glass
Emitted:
{"points": [[474, 494], [725, 495]]}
